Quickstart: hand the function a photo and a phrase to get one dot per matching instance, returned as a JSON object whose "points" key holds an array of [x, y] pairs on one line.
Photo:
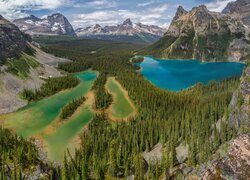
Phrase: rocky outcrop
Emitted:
{"points": [[127, 31], [239, 107], [235, 165], [179, 12], [240, 8], [155, 155], [56, 24], [12, 40], [202, 34]]}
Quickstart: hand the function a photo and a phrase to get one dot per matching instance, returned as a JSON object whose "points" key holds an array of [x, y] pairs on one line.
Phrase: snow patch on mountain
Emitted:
{"points": [[126, 28], [56, 24]]}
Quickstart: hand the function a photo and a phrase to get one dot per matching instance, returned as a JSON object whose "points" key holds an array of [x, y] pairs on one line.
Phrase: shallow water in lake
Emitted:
{"points": [[34, 119]]}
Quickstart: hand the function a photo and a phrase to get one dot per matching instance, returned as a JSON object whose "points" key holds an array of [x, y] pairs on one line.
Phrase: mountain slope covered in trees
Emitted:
{"points": [[164, 117]]}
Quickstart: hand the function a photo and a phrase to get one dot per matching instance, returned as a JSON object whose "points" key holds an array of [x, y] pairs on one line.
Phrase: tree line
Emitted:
{"points": [[102, 98], [50, 87], [69, 109]]}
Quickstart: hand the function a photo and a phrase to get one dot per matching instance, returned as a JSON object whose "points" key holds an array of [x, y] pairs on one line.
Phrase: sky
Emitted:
{"points": [[82, 13]]}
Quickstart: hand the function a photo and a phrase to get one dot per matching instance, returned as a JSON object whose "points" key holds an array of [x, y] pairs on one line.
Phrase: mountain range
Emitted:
{"points": [[125, 31], [205, 35], [57, 24], [195, 34]]}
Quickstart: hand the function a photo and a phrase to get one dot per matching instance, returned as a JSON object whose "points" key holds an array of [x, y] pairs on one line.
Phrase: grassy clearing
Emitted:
{"points": [[122, 108]]}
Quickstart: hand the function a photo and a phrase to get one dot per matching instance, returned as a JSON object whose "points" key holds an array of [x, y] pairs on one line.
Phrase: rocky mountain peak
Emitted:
{"points": [[57, 14], [55, 24], [235, 6], [200, 8], [32, 17], [201, 13], [240, 8], [127, 22], [180, 12], [195, 35], [97, 26]]}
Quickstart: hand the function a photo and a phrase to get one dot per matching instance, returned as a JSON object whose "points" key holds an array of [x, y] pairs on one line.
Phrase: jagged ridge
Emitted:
{"points": [[202, 34], [56, 24], [125, 31]]}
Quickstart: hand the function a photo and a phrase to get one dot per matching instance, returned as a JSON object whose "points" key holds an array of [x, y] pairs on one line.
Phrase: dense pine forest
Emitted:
{"points": [[188, 117], [170, 118], [102, 98], [19, 157], [71, 107]]}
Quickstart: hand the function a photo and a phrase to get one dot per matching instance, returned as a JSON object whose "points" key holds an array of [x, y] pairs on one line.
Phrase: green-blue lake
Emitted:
{"points": [[176, 75], [34, 119]]}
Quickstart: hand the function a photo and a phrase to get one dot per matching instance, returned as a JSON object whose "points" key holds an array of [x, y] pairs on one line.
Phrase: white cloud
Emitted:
{"points": [[102, 17], [97, 4], [217, 5], [152, 16], [146, 3], [16, 8]]}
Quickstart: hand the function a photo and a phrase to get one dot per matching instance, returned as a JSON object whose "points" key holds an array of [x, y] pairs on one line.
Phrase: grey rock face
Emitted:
{"points": [[240, 103], [12, 40], [56, 24], [240, 8], [180, 12], [235, 165], [127, 22]]}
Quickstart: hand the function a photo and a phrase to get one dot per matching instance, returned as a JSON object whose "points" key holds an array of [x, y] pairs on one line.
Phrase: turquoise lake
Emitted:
{"points": [[41, 118], [176, 75]]}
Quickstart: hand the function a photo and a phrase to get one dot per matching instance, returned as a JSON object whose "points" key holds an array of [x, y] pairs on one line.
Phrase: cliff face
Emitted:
{"points": [[12, 40], [236, 163], [202, 34], [240, 8], [240, 104]]}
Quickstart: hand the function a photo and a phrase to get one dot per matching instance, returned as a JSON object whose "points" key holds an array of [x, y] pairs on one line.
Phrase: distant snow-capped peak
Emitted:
{"points": [[55, 24], [126, 28]]}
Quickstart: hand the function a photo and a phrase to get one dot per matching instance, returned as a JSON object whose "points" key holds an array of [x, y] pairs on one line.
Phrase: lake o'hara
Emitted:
{"points": [[176, 75]]}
